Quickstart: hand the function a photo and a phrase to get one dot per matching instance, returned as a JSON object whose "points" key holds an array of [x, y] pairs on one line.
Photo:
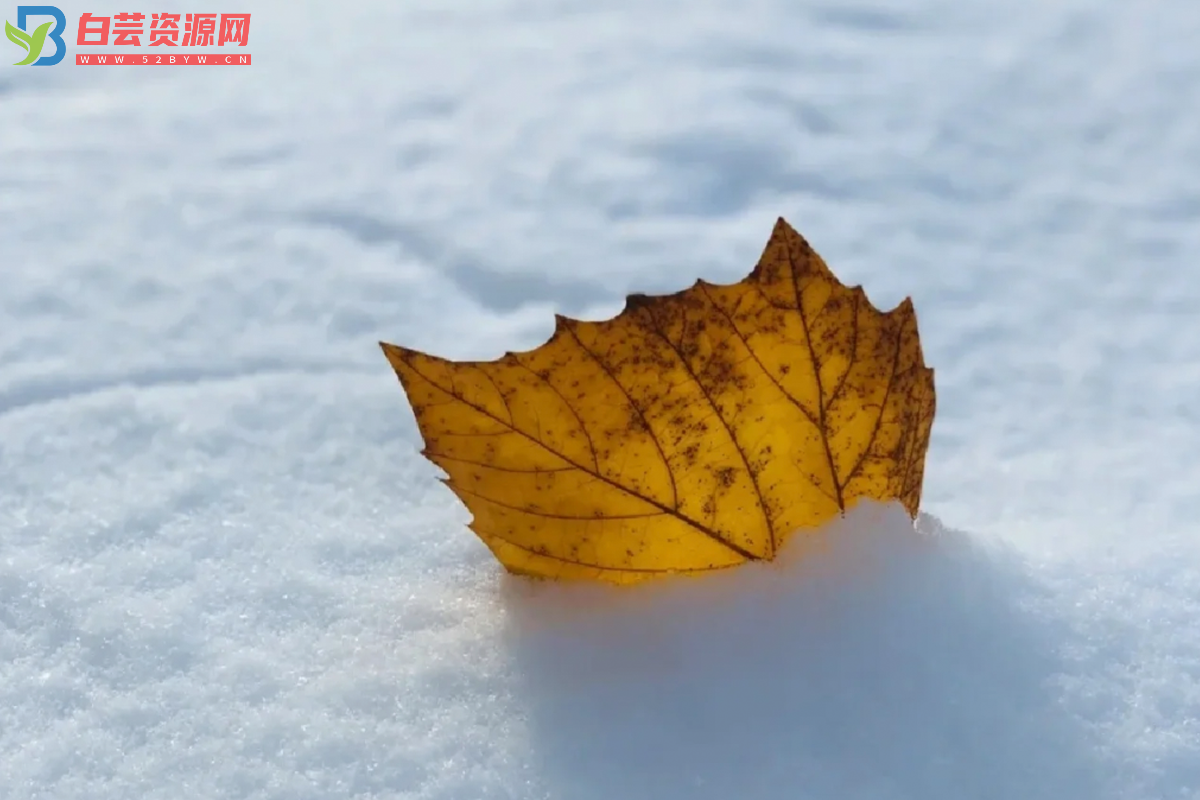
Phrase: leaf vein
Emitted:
{"points": [[532, 471], [641, 415], [704, 529], [589, 565], [816, 368], [882, 409], [582, 427], [551, 515], [496, 386], [762, 504]]}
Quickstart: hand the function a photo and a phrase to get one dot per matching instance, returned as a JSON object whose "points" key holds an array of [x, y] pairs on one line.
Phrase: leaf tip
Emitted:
{"points": [[784, 231], [393, 353], [635, 301]]}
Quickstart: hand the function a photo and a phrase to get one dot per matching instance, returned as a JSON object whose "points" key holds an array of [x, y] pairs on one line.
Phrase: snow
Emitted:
{"points": [[225, 571]]}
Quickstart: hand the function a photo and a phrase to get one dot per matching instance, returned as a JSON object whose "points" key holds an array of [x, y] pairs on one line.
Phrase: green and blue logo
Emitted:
{"points": [[32, 43]]}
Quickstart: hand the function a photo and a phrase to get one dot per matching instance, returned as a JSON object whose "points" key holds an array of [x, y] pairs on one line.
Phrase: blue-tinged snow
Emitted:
{"points": [[225, 571]]}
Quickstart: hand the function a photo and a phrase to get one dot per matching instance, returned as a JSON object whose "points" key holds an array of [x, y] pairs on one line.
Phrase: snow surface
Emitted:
{"points": [[225, 571]]}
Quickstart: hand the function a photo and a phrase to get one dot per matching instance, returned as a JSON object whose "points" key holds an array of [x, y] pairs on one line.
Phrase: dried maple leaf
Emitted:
{"points": [[694, 431]]}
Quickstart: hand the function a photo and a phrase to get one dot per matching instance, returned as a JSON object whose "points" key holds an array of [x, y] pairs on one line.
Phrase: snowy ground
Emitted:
{"points": [[225, 572]]}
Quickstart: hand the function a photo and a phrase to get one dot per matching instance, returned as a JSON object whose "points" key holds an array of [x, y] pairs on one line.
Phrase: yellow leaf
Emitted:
{"points": [[692, 432]]}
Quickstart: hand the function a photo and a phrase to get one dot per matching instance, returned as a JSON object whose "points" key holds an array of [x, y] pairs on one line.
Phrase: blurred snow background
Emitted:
{"points": [[226, 573]]}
